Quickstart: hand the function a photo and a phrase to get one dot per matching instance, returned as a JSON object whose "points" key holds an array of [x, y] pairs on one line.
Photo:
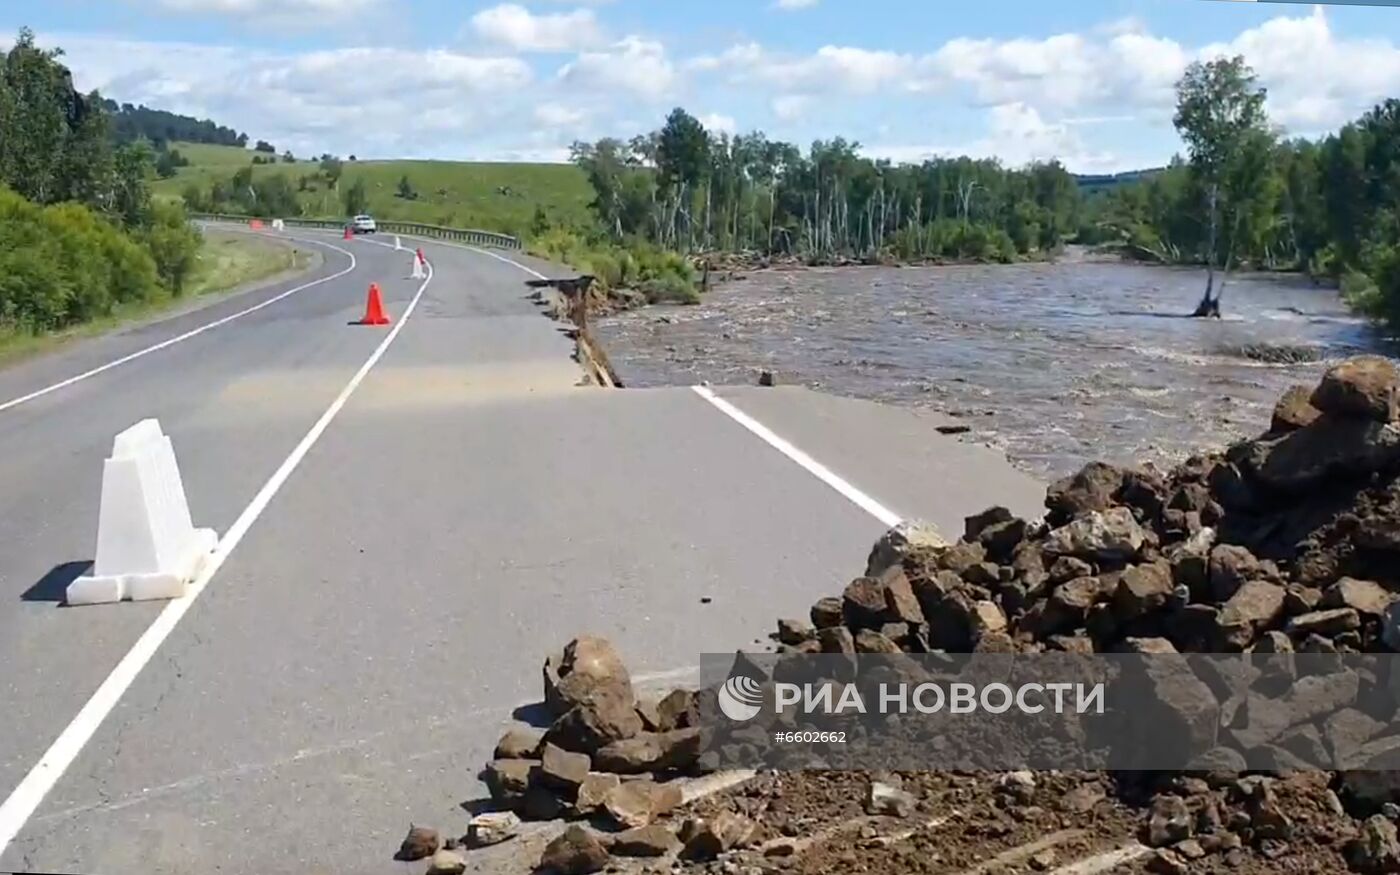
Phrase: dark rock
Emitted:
{"points": [[1142, 589], [420, 843], [678, 709], [601, 721], [651, 752], [588, 667], [508, 779], [1266, 816], [1346, 733], [1177, 705], [540, 803], [1376, 849], [837, 639], [1110, 536], [795, 631], [1001, 540], [1230, 567], [1301, 599], [1364, 596], [519, 744], [1330, 623], [977, 523], [1365, 387], [576, 852], [901, 605], [1144, 491], [827, 612], [1093, 488], [647, 841], [984, 574], [1328, 450], [562, 771], [1294, 411], [1190, 497], [1168, 822], [962, 556], [767, 379], [870, 641], [711, 837], [863, 603], [1190, 561], [1305, 743], [909, 537], [1254, 607]]}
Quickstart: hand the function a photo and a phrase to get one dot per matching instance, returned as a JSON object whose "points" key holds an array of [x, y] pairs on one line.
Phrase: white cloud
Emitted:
{"points": [[517, 28], [314, 101], [633, 65], [795, 4], [1016, 134], [555, 115], [718, 123], [829, 69], [790, 107]]}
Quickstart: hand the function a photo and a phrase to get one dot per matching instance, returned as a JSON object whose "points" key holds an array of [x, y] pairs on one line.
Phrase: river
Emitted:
{"points": [[1056, 364]]}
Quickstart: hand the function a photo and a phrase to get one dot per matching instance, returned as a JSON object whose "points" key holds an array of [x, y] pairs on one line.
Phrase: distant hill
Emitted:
{"points": [[461, 194], [134, 122], [1091, 184]]}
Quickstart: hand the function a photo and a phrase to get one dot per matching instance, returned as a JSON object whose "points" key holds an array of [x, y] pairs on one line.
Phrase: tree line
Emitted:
{"points": [[687, 189], [135, 122], [79, 231]]}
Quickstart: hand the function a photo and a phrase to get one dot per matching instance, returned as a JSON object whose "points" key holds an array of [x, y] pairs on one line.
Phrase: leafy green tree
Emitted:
{"points": [[131, 199], [173, 243], [1220, 116], [405, 189], [356, 199]]}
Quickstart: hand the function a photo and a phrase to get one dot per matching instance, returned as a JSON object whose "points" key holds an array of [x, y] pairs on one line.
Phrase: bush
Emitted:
{"points": [[62, 265], [173, 244], [669, 289]]}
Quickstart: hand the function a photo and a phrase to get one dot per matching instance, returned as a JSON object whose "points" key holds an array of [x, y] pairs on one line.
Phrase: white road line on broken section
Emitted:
{"points": [[813, 467], [21, 804], [63, 384]]}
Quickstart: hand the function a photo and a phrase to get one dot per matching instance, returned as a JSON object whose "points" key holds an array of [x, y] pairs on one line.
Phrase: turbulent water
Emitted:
{"points": [[1056, 364]]}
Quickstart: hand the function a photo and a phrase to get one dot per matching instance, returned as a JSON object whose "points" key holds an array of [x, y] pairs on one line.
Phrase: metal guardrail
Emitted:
{"points": [[463, 235]]}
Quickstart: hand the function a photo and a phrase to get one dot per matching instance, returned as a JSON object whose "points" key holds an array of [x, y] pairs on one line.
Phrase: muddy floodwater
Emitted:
{"points": [[1056, 364]]}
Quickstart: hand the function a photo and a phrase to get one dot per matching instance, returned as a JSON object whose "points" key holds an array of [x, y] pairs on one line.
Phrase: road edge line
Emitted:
{"points": [[25, 799], [886, 516], [100, 369]]}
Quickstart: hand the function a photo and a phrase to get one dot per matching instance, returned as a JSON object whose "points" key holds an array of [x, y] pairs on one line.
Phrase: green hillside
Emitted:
{"points": [[489, 196]]}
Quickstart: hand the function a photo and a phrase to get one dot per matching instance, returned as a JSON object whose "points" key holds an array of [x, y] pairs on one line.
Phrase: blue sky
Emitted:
{"points": [[1086, 81]]}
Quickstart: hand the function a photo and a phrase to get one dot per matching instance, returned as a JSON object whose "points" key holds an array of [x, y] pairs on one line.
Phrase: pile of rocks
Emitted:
{"points": [[608, 757], [1286, 543]]}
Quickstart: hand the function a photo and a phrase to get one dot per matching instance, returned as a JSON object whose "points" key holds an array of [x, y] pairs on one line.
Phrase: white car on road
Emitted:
{"points": [[363, 225]]}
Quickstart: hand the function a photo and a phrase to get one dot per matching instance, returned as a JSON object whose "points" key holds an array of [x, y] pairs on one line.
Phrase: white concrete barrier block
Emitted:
{"points": [[398, 244], [279, 225], [417, 269], [147, 546]]}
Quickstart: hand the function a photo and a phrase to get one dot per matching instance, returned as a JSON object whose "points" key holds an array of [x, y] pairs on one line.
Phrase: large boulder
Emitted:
{"points": [[908, 537], [587, 668], [1332, 447], [576, 852], [594, 724], [651, 752], [1363, 387], [1094, 487], [1109, 536]]}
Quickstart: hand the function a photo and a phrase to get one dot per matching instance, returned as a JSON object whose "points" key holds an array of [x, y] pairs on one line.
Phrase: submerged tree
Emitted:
{"points": [[1220, 115]]}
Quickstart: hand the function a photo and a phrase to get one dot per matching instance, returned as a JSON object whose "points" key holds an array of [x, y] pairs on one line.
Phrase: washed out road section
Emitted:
{"points": [[235, 400], [472, 508]]}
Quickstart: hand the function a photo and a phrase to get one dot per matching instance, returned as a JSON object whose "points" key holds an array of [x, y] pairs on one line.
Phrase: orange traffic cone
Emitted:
{"points": [[348, 233], [374, 308]]}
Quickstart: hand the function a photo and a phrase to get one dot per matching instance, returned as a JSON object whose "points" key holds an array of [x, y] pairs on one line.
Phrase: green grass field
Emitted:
{"points": [[459, 194]]}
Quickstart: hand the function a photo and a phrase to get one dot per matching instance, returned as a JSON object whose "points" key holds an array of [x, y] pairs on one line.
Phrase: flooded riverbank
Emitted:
{"points": [[1056, 364]]}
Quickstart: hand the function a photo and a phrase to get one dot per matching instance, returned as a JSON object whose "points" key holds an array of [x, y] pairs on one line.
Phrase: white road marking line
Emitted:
{"points": [[15, 402], [813, 467], [16, 810]]}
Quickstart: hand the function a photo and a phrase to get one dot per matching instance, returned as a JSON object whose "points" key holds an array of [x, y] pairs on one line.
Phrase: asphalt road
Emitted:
{"points": [[470, 508]]}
